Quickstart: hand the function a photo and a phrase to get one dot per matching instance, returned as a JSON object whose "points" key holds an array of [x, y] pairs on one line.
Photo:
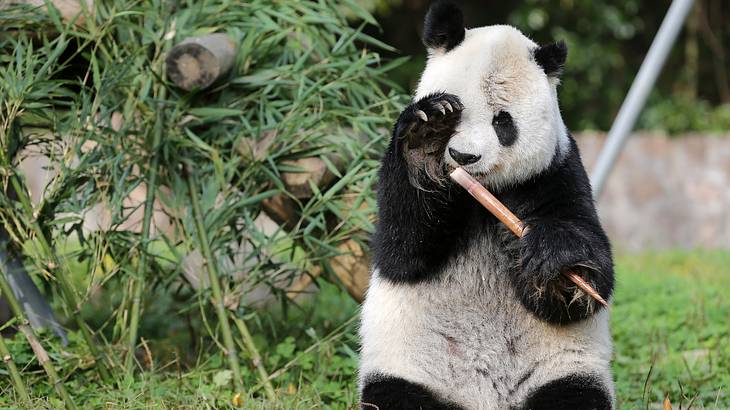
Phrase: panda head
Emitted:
{"points": [[510, 128]]}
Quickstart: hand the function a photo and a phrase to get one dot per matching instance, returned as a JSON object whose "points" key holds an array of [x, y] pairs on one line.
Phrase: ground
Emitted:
{"points": [[670, 321]]}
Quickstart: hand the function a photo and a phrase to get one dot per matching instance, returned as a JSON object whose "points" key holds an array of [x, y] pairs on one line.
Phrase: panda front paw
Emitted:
{"points": [[423, 131], [548, 251]]}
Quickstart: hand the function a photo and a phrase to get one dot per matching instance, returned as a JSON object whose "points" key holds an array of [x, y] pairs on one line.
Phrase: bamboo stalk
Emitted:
{"points": [[17, 381], [256, 357], [35, 344], [213, 277], [45, 361], [497, 208], [139, 279], [53, 264]]}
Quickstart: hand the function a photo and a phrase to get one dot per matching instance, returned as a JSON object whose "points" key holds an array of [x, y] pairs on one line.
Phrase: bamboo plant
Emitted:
{"points": [[171, 174]]}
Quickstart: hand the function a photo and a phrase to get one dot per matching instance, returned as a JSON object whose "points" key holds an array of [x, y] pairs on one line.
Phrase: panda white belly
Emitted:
{"points": [[467, 337]]}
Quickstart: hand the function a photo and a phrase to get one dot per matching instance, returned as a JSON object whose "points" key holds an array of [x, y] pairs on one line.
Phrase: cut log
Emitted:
{"points": [[313, 170], [198, 61], [352, 268], [299, 287], [282, 209]]}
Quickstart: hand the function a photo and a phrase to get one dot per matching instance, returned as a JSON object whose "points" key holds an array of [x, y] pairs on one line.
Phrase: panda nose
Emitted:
{"points": [[463, 158]]}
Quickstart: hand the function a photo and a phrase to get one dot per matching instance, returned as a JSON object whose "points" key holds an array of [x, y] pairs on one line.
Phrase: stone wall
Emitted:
{"points": [[666, 192]]}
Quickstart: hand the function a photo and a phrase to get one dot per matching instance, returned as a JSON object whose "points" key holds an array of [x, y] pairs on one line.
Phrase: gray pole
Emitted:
{"points": [[639, 91], [36, 309]]}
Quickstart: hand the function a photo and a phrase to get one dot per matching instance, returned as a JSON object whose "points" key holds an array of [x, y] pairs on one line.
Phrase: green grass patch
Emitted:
{"points": [[671, 329], [670, 321]]}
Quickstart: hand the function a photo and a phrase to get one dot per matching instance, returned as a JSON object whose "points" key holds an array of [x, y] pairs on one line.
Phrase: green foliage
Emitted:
{"points": [[670, 323], [95, 99], [683, 114], [315, 357], [600, 67]]}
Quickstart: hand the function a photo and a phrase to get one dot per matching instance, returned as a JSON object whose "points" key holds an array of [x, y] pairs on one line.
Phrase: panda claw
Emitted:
{"points": [[448, 106], [422, 115], [441, 108]]}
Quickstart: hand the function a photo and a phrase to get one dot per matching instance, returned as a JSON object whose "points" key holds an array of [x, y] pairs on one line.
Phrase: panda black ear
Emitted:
{"points": [[551, 57], [443, 26]]}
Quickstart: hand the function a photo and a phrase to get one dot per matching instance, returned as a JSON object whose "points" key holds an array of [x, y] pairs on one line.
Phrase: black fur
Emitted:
{"points": [[563, 234], [423, 141], [417, 226], [551, 57], [443, 26], [422, 223], [505, 128], [574, 392], [387, 392]]}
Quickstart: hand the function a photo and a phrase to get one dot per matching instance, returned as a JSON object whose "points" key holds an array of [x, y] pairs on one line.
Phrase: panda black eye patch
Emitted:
{"points": [[505, 128]]}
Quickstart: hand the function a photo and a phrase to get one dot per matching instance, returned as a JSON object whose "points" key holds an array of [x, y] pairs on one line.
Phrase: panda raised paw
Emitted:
{"points": [[434, 116], [436, 105], [423, 131]]}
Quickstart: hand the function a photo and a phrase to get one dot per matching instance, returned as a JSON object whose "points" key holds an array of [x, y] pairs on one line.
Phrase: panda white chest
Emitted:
{"points": [[467, 337]]}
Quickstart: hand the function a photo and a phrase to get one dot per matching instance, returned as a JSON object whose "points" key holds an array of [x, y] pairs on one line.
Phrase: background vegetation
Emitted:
{"points": [[311, 79], [607, 41], [94, 98]]}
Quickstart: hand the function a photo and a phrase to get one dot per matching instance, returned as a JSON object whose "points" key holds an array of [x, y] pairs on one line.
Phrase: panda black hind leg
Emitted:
{"points": [[574, 392], [381, 392]]}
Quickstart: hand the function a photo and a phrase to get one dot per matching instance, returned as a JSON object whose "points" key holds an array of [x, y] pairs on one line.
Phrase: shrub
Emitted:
{"points": [[94, 98]]}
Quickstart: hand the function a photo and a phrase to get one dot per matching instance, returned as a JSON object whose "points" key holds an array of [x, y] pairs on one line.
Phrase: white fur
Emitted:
{"points": [[493, 70], [453, 335]]}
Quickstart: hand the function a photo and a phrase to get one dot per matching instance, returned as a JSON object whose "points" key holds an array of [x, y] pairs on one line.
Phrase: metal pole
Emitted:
{"points": [[37, 310], [639, 91]]}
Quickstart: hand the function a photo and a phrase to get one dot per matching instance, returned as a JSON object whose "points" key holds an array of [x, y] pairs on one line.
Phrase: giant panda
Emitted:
{"points": [[460, 313]]}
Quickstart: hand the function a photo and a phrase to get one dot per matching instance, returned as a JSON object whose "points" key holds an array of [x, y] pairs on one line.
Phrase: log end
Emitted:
{"points": [[192, 66]]}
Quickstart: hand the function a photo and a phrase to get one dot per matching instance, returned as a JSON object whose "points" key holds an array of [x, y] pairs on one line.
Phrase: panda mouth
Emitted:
{"points": [[479, 173]]}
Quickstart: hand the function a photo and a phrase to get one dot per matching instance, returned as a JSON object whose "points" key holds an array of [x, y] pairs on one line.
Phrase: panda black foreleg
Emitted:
{"points": [[420, 212], [574, 392], [564, 234], [386, 392], [550, 249]]}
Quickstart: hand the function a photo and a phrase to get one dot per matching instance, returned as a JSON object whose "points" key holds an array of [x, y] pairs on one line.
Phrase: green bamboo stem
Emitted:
{"points": [[215, 286], [256, 357], [139, 278], [54, 264], [45, 361], [17, 381], [35, 344]]}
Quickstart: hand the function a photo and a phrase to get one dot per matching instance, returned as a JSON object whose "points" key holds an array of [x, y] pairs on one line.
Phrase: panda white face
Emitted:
{"points": [[510, 127]]}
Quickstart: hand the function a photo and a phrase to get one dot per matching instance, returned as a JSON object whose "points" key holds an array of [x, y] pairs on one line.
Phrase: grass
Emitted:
{"points": [[670, 321], [671, 325]]}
